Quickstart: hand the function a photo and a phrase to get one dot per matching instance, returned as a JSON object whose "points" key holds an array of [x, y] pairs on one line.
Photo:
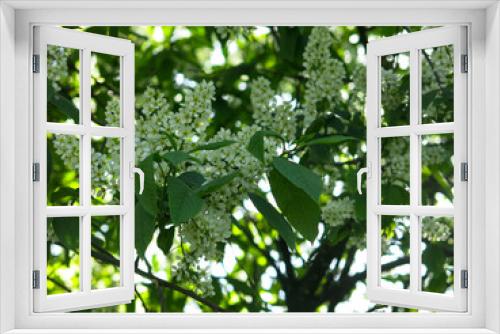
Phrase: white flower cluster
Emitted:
{"points": [[203, 234], [435, 155], [158, 121], [105, 162], [152, 125], [392, 98], [337, 211], [437, 74], [325, 75], [68, 148], [194, 115], [395, 163], [205, 231], [189, 270], [268, 113], [57, 66], [112, 112], [436, 230], [106, 169], [234, 158]]}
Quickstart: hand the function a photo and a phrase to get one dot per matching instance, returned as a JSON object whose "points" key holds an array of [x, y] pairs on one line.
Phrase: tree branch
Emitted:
{"points": [[108, 258]]}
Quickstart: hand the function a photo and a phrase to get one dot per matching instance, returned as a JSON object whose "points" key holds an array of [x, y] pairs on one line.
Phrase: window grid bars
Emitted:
{"points": [[85, 211], [414, 131]]}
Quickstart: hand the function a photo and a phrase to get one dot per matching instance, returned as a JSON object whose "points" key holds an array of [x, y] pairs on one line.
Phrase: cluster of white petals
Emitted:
{"points": [[269, 113], [338, 211], [436, 230], [57, 65], [325, 75]]}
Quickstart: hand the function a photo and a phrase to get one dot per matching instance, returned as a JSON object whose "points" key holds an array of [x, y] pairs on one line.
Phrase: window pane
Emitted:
{"points": [[105, 252], [63, 84], [395, 89], [437, 170], [395, 170], [63, 259], [437, 84], [395, 252], [105, 90], [105, 170], [437, 254], [63, 167]]}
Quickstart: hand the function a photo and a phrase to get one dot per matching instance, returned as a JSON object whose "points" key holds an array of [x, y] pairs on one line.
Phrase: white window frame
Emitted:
{"points": [[86, 43], [414, 43], [16, 20]]}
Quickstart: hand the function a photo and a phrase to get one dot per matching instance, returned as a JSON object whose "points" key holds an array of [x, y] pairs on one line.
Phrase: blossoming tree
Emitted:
{"points": [[250, 139]]}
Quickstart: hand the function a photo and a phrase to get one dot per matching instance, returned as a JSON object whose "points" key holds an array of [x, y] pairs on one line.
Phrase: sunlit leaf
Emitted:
{"points": [[301, 210], [275, 219], [300, 176]]}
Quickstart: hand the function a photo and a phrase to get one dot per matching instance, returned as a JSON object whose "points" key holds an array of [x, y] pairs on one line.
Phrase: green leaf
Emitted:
{"points": [[299, 208], [192, 179], [299, 176], [256, 144], [215, 184], [144, 229], [274, 218], [183, 202], [67, 230], [62, 104], [166, 239], [329, 140], [213, 146], [177, 157], [149, 197]]}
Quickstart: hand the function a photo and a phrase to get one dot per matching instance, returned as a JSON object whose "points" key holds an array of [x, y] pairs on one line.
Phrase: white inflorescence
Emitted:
{"points": [[338, 211], [268, 113], [57, 66], [325, 75]]}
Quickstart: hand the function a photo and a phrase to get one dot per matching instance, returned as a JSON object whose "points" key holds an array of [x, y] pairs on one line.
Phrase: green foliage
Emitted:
{"points": [[213, 146], [275, 219], [215, 184], [178, 157], [301, 177], [183, 201], [144, 229], [296, 204], [283, 120]]}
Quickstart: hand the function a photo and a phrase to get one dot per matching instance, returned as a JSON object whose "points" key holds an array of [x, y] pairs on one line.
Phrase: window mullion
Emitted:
{"points": [[414, 170], [85, 181]]}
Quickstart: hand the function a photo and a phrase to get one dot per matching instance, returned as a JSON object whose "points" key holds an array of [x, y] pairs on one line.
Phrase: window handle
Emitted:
{"points": [[136, 170], [359, 175]]}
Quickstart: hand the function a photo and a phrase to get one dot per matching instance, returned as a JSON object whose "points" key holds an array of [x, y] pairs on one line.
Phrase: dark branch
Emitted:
{"points": [[108, 258]]}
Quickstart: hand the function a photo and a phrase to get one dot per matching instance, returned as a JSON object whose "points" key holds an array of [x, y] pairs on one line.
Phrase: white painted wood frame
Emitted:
{"points": [[86, 43], [16, 20], [414, 43]]}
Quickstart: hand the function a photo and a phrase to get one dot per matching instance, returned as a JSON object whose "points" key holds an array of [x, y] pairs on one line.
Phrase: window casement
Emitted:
{"points": [[415, 128], [76, 210]]}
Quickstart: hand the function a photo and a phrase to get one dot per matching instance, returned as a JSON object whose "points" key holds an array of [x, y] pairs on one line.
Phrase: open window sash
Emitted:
{"points": [[86, 295], [412, 294]]}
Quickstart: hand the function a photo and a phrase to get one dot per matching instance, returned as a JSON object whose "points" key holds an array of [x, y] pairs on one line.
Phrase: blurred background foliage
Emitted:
{"points": [[263, 259]]}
